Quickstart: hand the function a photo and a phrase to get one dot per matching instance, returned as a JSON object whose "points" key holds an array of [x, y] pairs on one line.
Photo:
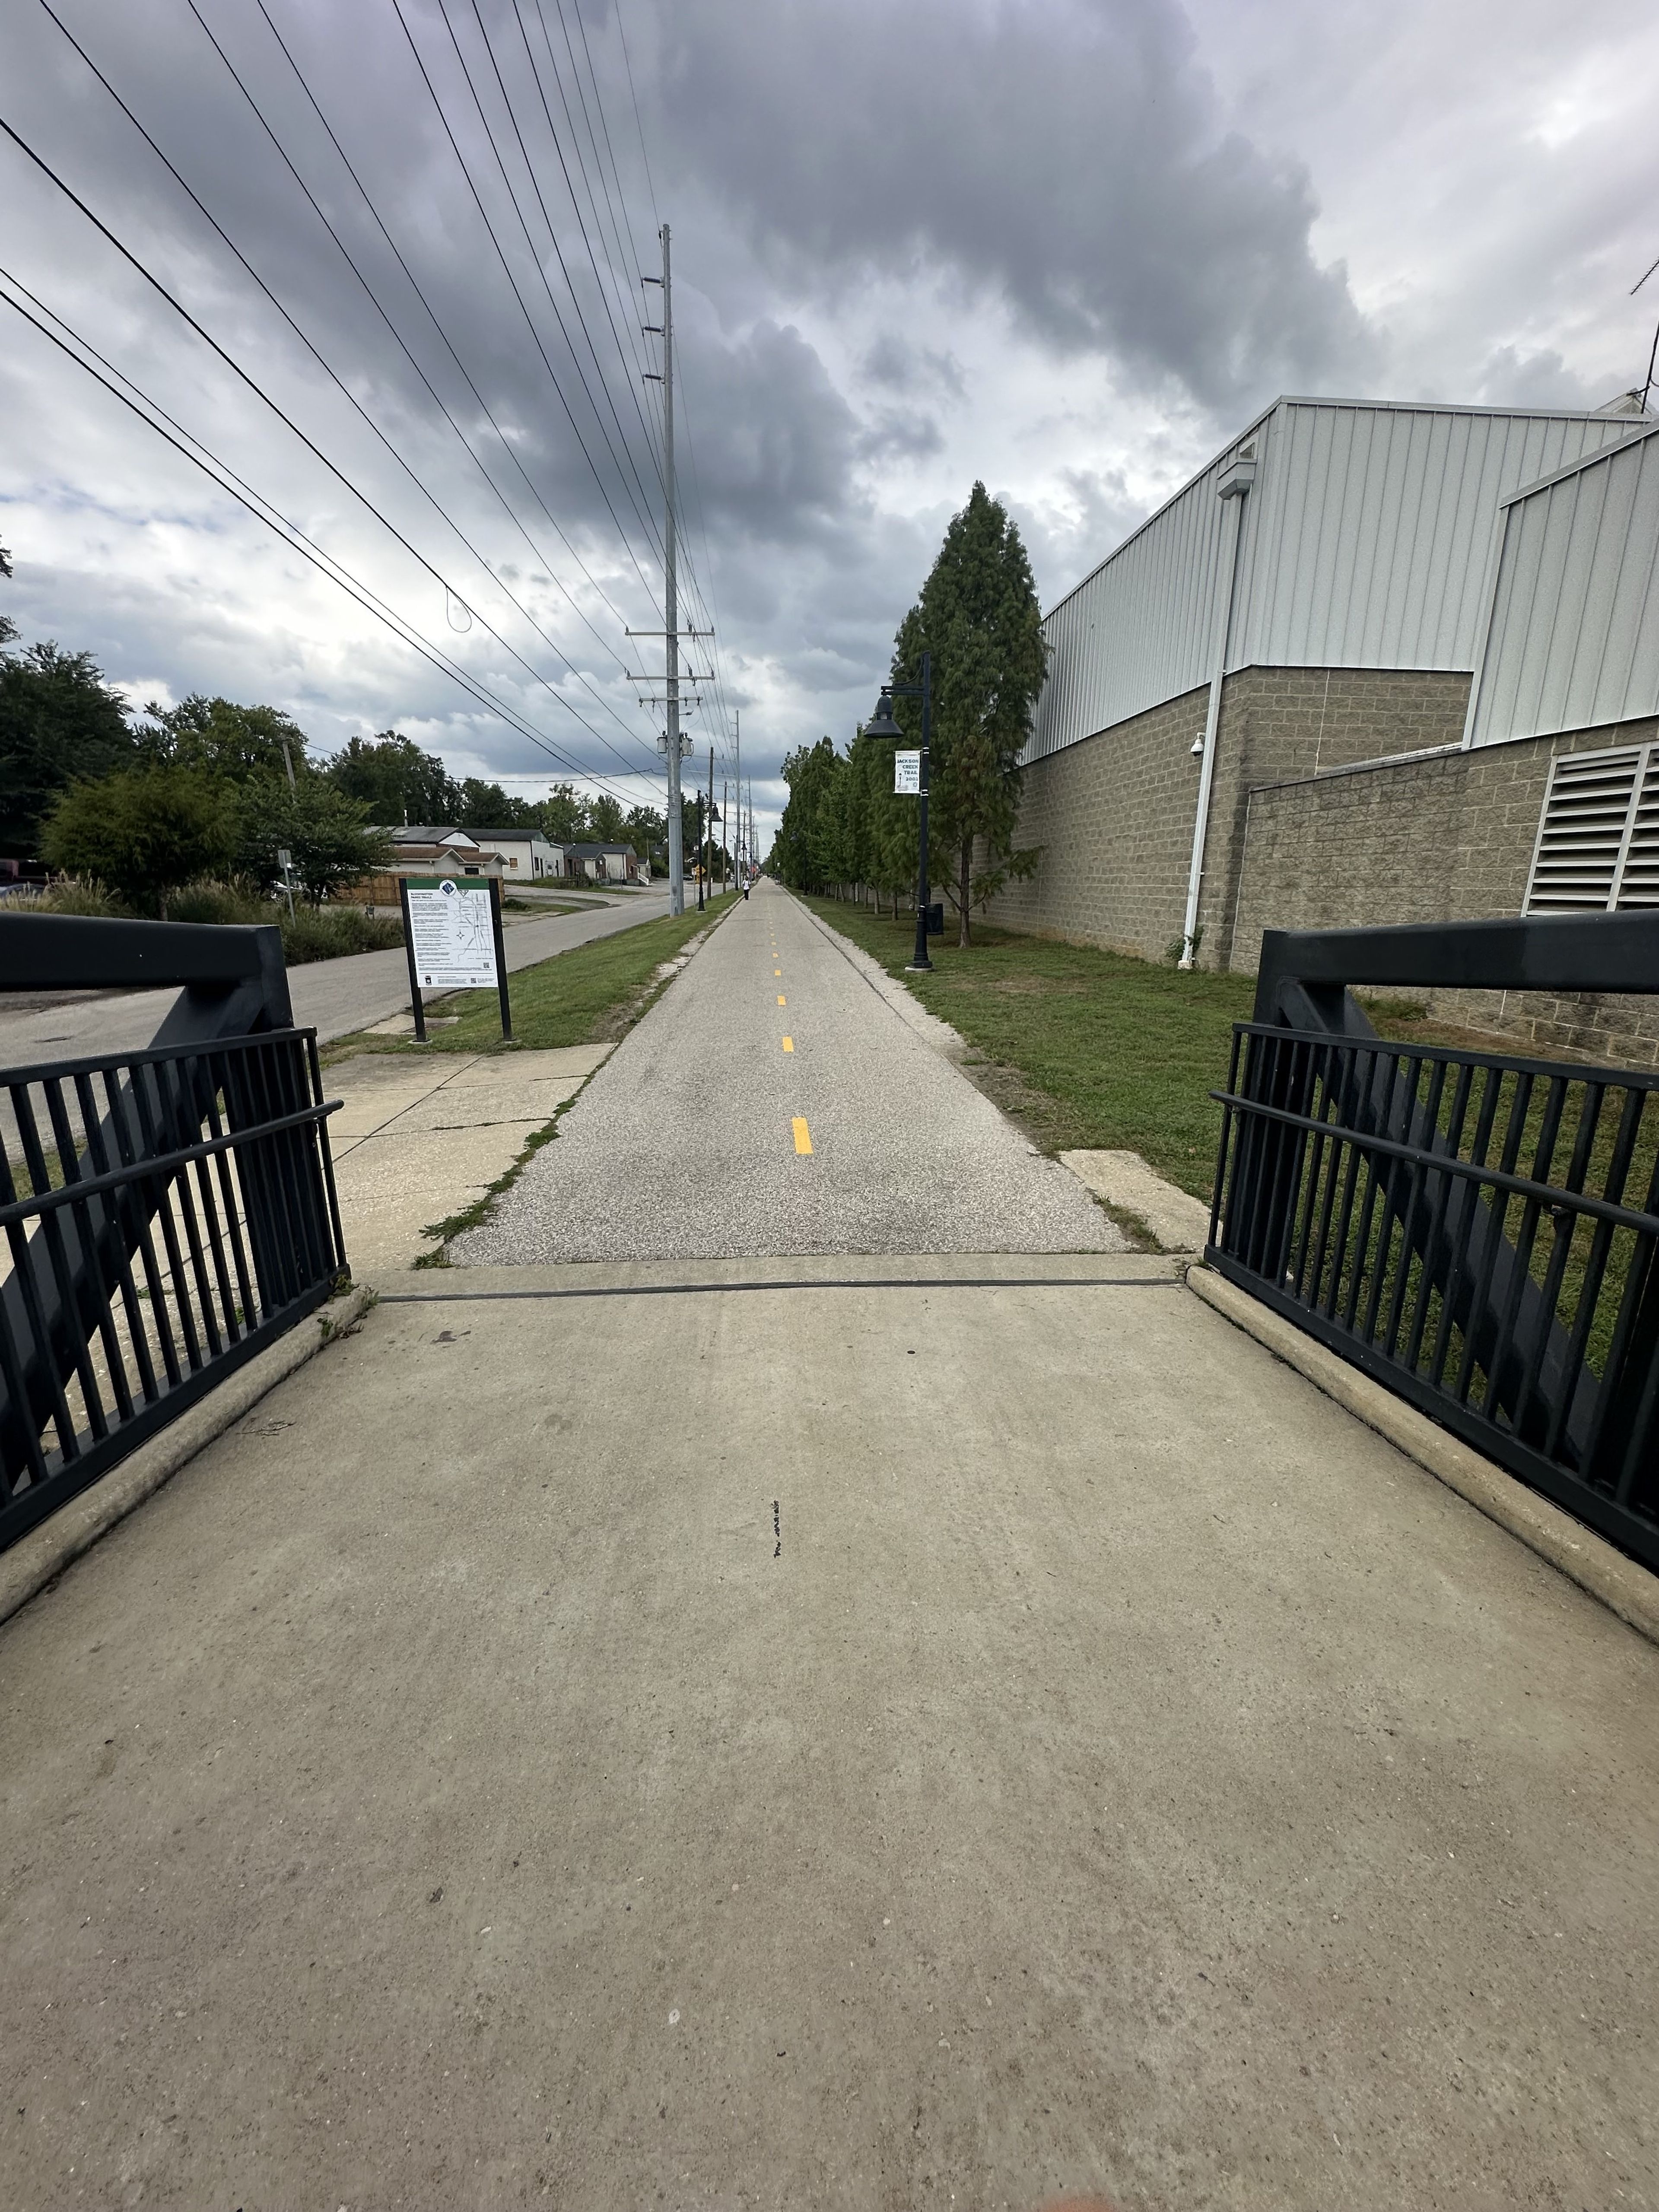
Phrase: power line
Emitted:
{"points": [[310, 445], [541, 272], [644, 156], [506, 442], [633, 354], [523, 308], [202, 458], [581, 225], [597, 696]]}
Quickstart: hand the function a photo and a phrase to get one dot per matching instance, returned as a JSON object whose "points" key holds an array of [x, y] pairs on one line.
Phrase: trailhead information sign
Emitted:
{"points": [[451, 935]]}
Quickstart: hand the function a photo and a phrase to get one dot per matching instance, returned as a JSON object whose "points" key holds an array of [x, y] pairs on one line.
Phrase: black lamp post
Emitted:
{"points": [[883, 726]]}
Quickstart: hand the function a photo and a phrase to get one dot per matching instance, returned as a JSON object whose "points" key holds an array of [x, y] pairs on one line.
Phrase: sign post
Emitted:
{"points": [[452, 937]]}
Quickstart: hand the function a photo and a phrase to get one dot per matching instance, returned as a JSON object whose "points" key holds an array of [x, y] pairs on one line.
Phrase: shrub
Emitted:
{"points": [[328, 933], [142, 833]]}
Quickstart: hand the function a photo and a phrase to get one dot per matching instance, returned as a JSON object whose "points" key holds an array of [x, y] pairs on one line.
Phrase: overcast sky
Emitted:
{"points": [[1068, 246]]}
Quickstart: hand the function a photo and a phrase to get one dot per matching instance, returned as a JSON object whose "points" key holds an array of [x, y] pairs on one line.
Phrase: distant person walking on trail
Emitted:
{"points": [[745, 887]]}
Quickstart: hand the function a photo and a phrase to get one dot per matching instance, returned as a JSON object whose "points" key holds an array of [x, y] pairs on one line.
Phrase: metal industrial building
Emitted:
{"points": [[1427, 605]]}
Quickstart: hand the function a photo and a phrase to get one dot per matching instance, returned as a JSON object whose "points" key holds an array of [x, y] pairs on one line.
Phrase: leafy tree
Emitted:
{"points": [[798, 849], [563, 815], [647, 832], [58, 720], [142, 832], [217, 738], [979, 616], [396, 782], [323, 828], [608, 823], [487, 806]]}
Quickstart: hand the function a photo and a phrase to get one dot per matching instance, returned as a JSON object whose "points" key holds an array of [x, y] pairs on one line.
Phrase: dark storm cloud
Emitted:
{"points": [[1067, 157], [1015, 239], [895, 361]]}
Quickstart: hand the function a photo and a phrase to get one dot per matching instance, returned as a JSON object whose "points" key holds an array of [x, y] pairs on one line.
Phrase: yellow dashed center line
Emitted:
{"points": [[779, 997], [789, 1044], [803, 1139]]}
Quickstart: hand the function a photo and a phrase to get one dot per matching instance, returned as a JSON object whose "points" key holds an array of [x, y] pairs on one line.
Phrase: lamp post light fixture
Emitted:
{"points": [[882, 725]]}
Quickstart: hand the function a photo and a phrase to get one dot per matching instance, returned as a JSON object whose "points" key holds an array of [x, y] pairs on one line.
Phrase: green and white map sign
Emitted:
{"points": [[452, 933]]}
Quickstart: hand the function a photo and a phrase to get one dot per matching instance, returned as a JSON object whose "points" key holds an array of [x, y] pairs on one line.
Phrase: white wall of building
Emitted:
{"points": [[1367, 541], [1573, 639]]}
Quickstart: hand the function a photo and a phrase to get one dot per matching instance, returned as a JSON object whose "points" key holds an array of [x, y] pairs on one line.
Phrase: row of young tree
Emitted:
{"points": [[979, 619], [211, 790]]}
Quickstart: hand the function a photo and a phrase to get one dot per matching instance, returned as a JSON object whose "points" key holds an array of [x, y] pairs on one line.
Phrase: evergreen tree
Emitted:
{"points": [[978, 615], [796, 856]]}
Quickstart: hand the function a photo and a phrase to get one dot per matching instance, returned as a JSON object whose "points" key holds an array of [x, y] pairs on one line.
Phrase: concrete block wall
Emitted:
{"points": [[1302, 836], [1113, 815], [1281, 723], [1441, 840]]}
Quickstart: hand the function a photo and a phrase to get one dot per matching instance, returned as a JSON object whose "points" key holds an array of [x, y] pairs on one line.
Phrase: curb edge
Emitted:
{"points": [[1544, 1527], [42, 1555]]}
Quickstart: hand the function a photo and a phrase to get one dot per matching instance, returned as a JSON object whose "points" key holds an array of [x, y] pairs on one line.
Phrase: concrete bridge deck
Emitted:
{"points": [[895, 1730]]}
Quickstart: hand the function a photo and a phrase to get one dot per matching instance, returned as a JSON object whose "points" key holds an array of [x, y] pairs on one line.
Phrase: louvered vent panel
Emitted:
{"points": [[1639, 884], [1582, 834]]}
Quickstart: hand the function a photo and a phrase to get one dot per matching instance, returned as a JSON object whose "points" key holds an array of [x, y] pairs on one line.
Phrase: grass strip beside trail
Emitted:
{"points": [[1088, 1048], [588, 995], [1084, 1047]]}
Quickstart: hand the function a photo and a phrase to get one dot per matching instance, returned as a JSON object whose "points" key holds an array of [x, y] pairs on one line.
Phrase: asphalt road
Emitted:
{"points": [[774, 1100], [335, 997]]}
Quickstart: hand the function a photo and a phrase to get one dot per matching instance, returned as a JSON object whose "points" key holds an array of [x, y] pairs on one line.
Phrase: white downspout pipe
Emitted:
{"points": [[1235, 484]]}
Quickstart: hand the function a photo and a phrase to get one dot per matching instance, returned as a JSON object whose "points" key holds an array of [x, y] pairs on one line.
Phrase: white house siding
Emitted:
{"points": [[1573, 641], [1366, 542]]}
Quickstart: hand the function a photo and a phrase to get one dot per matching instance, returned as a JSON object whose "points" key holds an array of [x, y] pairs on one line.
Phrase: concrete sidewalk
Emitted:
{"points": [[419, 1139], [617, 1735]]}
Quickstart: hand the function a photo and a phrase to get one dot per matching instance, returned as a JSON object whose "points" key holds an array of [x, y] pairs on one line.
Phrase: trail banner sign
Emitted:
{"points": [[907, 773], [452, 936]]}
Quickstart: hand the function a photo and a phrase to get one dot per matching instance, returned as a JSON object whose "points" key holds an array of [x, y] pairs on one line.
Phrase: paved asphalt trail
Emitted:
{"points": [[332, 996], [773, 1102]]}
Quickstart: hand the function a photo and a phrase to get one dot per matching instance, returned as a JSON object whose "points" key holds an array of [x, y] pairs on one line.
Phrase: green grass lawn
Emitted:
{"points": [[592, 992], [1088, 1047]]}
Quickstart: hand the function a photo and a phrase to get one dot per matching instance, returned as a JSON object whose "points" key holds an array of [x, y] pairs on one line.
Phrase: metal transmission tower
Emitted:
{"points": [[672, 633]]}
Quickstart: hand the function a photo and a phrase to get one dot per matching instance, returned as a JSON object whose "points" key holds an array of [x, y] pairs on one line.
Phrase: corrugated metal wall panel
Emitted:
{"points": [[1367, 542], [1138, 631], [1380, 542], [1574, 637]]}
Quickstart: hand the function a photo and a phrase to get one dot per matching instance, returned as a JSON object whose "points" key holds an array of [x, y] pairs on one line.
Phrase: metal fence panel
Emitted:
{"points": [[1477, 1230], [167, 1213]]}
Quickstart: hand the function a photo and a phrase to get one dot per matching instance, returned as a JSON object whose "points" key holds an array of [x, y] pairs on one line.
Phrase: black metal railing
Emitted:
{"points": [[170, 1213], [166, 1212], [1478, 1230]]}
